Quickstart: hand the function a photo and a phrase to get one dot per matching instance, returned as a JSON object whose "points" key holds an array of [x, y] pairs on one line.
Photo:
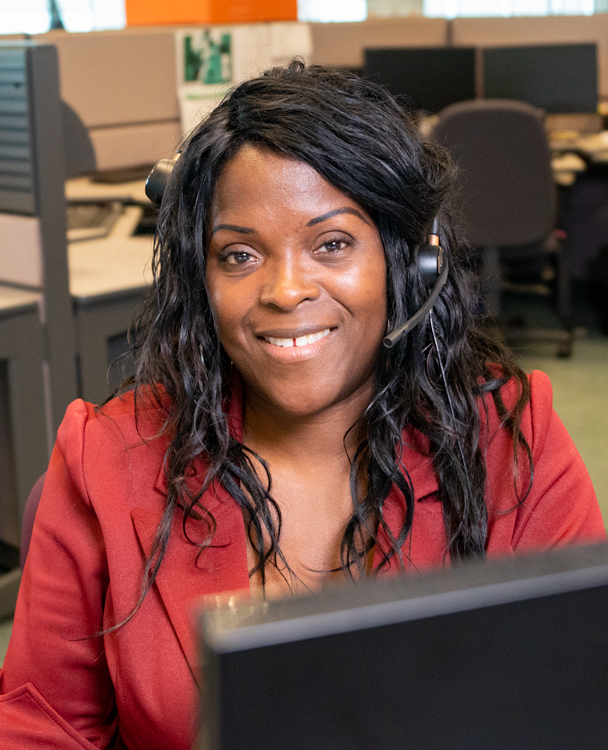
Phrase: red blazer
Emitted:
{"points": [[61, 687]]}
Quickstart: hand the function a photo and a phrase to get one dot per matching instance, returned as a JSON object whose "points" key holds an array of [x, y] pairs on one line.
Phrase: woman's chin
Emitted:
{"points": [[312, 401], [295, 407]]}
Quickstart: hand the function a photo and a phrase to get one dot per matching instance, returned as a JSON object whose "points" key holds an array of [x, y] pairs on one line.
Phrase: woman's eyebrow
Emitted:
{"points": [[233, 228], [345, 210]]}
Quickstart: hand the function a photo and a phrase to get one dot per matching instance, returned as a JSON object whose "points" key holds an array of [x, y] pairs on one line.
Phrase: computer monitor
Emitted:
{"points": [[428, 78], [560, 78], [506, 655]]}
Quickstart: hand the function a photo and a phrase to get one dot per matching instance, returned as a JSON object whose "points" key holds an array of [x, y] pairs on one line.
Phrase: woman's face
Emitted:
{"points": [[297, 278]]}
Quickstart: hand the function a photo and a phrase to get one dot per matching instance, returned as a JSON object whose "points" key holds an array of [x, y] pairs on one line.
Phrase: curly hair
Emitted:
{"points": [[365, 144]]}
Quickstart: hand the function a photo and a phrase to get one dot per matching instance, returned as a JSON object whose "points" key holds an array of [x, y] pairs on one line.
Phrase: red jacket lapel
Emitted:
{"points": [[183, 578]]}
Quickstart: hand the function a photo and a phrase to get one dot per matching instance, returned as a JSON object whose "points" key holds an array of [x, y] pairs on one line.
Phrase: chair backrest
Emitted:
{"points": [[506, 192], [29, 514]]}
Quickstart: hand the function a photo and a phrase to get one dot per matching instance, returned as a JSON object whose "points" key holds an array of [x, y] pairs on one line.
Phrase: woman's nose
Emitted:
{"points": [[288, 282]]}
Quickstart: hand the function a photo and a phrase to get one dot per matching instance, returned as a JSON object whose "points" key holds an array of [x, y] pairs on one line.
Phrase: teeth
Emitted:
{"points": [[300, 341]]}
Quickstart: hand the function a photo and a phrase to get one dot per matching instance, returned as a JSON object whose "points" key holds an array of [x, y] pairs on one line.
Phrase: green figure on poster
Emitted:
{"points": [[207, 60], [216, 59]]}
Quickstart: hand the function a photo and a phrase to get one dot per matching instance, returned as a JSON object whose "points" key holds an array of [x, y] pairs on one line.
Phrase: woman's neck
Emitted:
{"points": [[310, 464], [301, 439]]}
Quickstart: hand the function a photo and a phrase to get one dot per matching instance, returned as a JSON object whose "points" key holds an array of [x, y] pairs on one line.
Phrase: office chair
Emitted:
{"points": [[506, 204]]}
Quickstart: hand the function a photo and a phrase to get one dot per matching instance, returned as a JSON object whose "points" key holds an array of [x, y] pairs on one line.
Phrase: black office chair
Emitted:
{"points": [[507, 203]]}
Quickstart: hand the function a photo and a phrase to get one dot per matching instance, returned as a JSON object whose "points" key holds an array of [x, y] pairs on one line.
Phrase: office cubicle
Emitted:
{"points": [[123, 87], [32, 206], [46, 308], [547, 30], [37, 361]]}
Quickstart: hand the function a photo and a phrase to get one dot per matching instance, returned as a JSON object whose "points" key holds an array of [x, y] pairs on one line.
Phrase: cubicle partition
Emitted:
{"points": [[34, 253], [344, 44], [37, 344], [46, 306], [122, 84], [509, 32]]}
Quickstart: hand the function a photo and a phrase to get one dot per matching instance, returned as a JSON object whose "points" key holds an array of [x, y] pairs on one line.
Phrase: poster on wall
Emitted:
{"points": [[210, 60]]}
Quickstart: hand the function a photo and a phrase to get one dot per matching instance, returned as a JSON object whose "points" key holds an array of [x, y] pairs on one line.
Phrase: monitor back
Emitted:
{"points": [[503, 656], [560, 79], [429, 78]]}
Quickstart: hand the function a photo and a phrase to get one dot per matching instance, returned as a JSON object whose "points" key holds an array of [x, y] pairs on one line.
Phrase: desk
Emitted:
{"points": [[108, 279], [24, 447], [591, 146], [574, 152], [114, 264]]}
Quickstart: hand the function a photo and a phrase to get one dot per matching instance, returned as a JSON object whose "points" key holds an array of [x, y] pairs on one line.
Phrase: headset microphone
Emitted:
{"points": [[433, 267]]}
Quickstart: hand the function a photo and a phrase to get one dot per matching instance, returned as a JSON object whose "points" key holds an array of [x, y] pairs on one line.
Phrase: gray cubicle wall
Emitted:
{"points": [[23, 439], [32, 185]]}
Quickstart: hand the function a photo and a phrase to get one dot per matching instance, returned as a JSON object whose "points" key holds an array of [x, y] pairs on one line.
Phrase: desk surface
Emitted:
{"points": [[592, 145], [14, 301], [119, 262], [114, 264], [82, 188]]}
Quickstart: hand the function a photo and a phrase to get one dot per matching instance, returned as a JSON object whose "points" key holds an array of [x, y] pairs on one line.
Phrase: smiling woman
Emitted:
{"points": [[272, 442]]}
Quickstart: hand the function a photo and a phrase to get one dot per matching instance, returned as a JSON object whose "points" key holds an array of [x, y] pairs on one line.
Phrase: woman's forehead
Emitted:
{"points": [[259, 180]]}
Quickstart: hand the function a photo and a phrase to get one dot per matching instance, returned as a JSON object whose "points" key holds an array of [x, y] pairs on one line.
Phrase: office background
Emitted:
{"points": [[122, 84]]}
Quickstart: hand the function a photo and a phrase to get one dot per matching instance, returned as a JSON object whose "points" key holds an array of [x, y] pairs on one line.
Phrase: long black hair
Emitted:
{"points": [[363, 142]]}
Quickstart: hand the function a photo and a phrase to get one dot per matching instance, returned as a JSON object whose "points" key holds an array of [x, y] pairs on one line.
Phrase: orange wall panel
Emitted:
{"points": [[162, 12], [154, 12], [243, 11]]}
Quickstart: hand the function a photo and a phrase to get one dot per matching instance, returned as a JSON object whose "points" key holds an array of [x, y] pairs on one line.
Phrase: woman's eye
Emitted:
{"points": [[237, 258], [333, 246]]}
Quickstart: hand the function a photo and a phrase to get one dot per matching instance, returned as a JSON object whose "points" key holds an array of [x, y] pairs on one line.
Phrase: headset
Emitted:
{"points": [[430, 258], [433, 268]]}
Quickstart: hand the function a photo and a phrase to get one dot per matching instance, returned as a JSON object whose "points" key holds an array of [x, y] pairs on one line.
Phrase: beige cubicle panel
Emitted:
{"points": [[343, 43], [506, 32], [132, 145], [122, 84]]}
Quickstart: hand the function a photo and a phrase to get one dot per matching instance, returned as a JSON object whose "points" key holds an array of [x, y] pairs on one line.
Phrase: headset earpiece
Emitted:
{"points": [[158, 179], [429, 257]]}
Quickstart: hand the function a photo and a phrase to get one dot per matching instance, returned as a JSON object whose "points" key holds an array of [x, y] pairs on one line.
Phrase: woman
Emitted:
{"points": [[272, 442]]}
